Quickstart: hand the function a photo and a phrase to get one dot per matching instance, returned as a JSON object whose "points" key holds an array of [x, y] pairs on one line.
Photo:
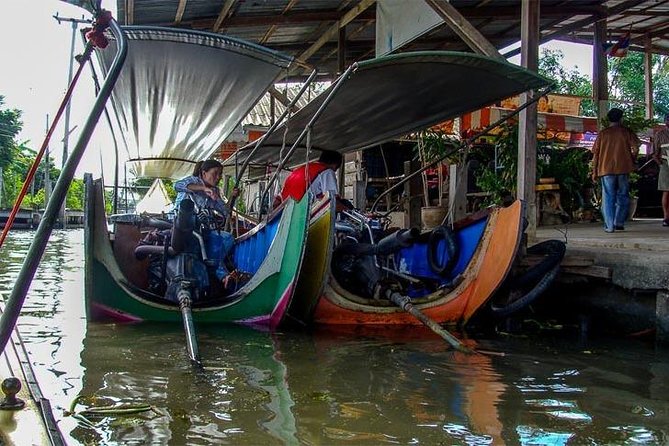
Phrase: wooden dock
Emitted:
{"points": [[638, 258], [626, 272]]}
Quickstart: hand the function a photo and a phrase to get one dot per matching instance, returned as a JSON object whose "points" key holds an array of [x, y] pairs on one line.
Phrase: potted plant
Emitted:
{"points": [[634, 194], [496, 173], [430, 146]]}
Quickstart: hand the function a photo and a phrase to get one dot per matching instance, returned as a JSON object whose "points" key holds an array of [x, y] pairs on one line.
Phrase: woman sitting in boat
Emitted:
{"points": [[202, 188], [321, 178]]}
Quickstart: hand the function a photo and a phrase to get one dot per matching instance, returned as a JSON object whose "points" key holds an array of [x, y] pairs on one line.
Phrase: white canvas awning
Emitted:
{"points": [[156, 200]]}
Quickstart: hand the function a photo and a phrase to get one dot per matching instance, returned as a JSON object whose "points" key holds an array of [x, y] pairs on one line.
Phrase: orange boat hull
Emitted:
{"points": [[483, 276]]}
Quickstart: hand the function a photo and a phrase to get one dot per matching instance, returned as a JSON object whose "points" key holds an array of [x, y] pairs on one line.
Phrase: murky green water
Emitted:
{"points": [[328, 388]]}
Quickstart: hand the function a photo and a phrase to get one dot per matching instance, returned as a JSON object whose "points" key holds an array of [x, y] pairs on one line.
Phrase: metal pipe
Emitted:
{"points": [[115, 142], [185, 303], [203, 250], [36, 250], [309, 125], [262, 139]]}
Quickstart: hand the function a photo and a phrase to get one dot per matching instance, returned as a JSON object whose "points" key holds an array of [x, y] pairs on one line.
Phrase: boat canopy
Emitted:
{"points": [[392, 96], [182, 92]]}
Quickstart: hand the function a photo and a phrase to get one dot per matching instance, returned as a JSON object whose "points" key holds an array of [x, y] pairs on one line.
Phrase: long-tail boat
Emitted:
{"points": [[179, 95], [447, 275]]}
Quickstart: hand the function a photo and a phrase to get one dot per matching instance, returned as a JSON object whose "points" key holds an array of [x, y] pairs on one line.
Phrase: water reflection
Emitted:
{"points": [[241, 396], [330, 387]]}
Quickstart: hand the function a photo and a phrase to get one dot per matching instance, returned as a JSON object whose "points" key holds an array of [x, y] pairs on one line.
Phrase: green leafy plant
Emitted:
{"points": [[431, 146], [634, 118], [634, 184], [497, 172], [571, 169]]}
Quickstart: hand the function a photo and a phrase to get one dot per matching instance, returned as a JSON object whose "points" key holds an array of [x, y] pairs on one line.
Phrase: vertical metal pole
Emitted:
{"points": [[47, 176], [66, 135], [648, 74]]}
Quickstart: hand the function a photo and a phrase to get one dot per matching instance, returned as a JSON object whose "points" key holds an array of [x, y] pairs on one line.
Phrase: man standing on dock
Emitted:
{"points": [[613, 158], [661, 155]]}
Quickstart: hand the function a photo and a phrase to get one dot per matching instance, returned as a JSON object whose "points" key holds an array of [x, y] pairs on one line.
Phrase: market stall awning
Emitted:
{"points": [[482, 118]]}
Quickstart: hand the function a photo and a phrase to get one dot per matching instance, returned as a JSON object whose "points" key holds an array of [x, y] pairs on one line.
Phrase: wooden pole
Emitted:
{"points": [[405, 303], [527, 120], [648, 75], [600, 69]]}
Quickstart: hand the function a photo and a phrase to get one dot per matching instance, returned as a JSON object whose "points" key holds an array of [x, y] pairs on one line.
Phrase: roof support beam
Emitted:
{"points": [[225, 10], [463, 28], [272, 28], [181, 7], [580, 24], [600, 68], [281, 97], [333, 31]]}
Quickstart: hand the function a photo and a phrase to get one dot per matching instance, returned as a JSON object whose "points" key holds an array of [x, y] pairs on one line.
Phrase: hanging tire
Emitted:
{"points": [[452, 249], [537, 279]]}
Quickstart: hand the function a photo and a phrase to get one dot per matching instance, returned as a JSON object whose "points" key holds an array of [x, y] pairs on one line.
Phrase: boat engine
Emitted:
{"points": [[186, 265], [191, 254], [356, 262]]}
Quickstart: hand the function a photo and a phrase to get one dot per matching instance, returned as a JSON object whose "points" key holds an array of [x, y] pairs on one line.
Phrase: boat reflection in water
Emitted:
{"points": [[241, 396], [362, 387], [398, 387], [294, 388]]}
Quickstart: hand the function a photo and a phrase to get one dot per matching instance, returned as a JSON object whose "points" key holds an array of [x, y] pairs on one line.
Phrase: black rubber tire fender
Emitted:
{"points": [[452, 248], [542, 275], [554, 250]]}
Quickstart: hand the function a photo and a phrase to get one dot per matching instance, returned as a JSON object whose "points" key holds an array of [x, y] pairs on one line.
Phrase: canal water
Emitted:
{"points": [[327, 388]]}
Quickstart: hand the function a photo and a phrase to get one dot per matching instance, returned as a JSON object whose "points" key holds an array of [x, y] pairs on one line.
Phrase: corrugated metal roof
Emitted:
{"points": [[292, 26]]}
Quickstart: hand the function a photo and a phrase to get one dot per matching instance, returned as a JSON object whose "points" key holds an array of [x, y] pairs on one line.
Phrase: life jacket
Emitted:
{"points": [[300, 179]]}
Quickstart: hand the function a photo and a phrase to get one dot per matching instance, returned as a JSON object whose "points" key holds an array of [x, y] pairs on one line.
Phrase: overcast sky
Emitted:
{"points": [[35, 60]]}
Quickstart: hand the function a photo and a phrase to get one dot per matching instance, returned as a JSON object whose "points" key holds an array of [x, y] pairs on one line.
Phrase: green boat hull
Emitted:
{"points": [[261, 301]]}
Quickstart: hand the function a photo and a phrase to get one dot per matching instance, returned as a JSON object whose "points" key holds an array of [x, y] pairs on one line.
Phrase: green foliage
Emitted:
{"points": [[109, 201], [571, 169], [10, 126], [567, 81], [626, 75], [36, 201], [75, 195], [634, 118], [634, 183], [15, 173], [240, 203], [433, 145], [499, 180]]}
